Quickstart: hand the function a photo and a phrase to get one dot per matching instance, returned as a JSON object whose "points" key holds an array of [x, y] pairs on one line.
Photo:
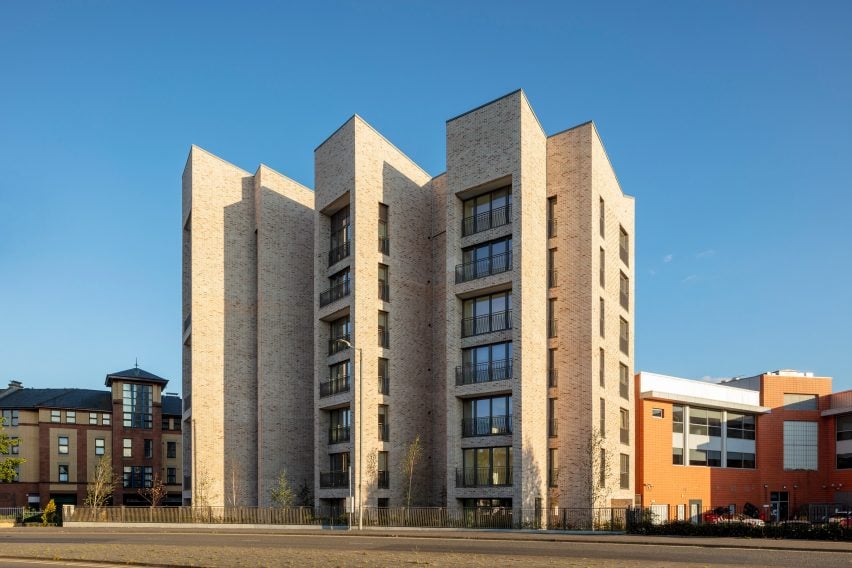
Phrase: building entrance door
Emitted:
{"points": [[695, 510], [779, 505]]}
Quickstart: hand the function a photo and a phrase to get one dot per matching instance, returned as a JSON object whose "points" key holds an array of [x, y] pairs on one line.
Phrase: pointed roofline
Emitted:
{"points": [[212, 155], [136, 374]]}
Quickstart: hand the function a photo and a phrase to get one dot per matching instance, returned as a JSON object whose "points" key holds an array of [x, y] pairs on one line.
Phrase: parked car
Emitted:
{"points": [[723, 515], [844, 518]]}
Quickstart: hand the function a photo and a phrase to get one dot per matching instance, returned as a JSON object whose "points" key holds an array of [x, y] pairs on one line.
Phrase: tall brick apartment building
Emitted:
{"points": [[487, 310], [777, 440], [63, 433]]}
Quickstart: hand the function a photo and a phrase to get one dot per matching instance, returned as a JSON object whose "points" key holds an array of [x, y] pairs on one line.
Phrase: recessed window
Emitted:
{"points": [[171, 476], [127, 448], [55, 416], [100, 446], [624, 471], [105, 419], [70, 416], [63, 444], [138, 405], [63, 473], [93, 418], [657, 413], [624, 381], [9, 418], [171, 450], [487, 211], [800, 445], [148, 448]]}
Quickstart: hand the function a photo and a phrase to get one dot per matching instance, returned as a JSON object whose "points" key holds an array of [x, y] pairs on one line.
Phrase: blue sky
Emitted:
{"points": [[730, 122]]}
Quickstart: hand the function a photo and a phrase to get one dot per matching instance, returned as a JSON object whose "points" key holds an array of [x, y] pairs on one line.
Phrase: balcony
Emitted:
{"points": [[340, 252], [552, 278], [334, 386], [334, 479], [384, 291], [334, 293], [487, 220], [498, 476], [484, 267], [336, 346], [384, 432], [384, 245], [495, 321], [383, 479], [487, 426], [552, 429], [384, 337], [384, 385], [552, 377], [551, 328], [484, 372], [338, 434]]}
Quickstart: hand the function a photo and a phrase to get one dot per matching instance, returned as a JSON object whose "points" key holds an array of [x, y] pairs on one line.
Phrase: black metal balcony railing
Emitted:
{"points": [[384, 245], [332, 479], [484, 372], [552, 328], [488, 220], [334, 386], [552, 429], [624, 296], [384, 337], [552, 278], [338, 434], [625, 435], [495, 321], [487, 426], [552, 377], [484, 267], [384, 385], [339, 252], [384, 432], [336, 346], [384, 291], [551, 228], [484, 476], [383, 479], [334, 293]]}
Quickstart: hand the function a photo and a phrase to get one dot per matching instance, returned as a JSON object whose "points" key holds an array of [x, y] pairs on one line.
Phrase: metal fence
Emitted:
{"points": [[318, 516], [22, 514]]}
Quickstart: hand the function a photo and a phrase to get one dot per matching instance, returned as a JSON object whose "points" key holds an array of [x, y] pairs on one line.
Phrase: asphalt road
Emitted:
{"points": [[266, 549]]}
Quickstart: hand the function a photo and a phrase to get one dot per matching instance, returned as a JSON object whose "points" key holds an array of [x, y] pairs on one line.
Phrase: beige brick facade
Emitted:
{"points": [[275, 364]]}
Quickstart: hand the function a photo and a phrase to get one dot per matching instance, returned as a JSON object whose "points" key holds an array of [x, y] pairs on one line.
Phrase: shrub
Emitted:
{"points": [[793, 530], [48, 517]]}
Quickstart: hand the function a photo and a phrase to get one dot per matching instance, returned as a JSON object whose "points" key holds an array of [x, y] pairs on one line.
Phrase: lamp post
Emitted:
{"points": [[347, 343]]}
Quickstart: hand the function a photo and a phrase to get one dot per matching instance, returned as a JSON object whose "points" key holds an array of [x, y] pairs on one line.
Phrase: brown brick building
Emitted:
{"points": [[63, 433]]}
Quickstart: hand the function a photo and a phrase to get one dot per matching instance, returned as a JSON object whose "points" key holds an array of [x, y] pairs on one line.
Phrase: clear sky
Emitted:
{"points": [[730, 122]]}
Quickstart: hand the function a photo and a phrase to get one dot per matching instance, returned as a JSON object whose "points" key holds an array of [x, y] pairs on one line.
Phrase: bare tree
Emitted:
{"points": [[201, 490], [156, 493], [8, 466], [102, 484], [413, 453], [600, 470], [282, 494], [371, 469]]}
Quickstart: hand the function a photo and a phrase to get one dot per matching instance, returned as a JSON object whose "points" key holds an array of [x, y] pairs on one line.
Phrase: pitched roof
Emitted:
{"points": [[172, 405], [136, 374], [83, 399]]}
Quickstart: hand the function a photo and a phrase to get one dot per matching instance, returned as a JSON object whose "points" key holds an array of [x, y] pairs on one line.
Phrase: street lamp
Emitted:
{"points": [[348, 344]]}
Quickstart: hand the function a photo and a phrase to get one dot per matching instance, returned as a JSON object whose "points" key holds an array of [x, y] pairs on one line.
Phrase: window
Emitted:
{"points": [[105, 419], [602, 418], [487, 211], [552, 281], [485, 363], [741, 460], [602, 319], [63, 473], [624, 381], [148, 448], [70, 416], [844, 461], [677, 418], [800, 401], [624, 246], [171, 450], [127, 447], [138, 405], [800, 445], [382, 470], [657, 413], [602, 218], [14, 446], [552, 375], [482, 467], [338, 378], [384, 424], [338, 287], [93, 418], [740, 426], [10, 418], [339, 461], [339, 421], [63, 444], [340, 236], [602, 268], [100, 446], [384, 236], [485, 314], [677, 456], [624, 291], [384, 332], [165, 424], [485, 259], [171, 476], [54, 416], [624, 471], [384, 376], [551, 217], [551, 317], [552, 423], [339, 329], [843, 427], [711, 458], [624, 336], [705, 422], [487, 416], [384, 283], [601, 368], [138, 476], [552, 467], [602, 468], [624, 418]]}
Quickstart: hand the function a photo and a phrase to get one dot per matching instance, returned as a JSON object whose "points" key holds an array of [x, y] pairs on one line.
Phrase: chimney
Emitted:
{"points": [[16, 385]]}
